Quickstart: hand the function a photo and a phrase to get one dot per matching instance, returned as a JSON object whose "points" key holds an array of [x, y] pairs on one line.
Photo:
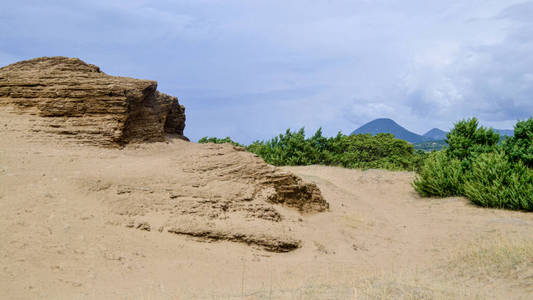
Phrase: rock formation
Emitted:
{"points": [[77, 100], [206, 191]]}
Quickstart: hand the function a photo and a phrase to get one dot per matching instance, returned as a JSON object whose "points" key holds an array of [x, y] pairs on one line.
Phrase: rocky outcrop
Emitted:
{"points": [[79, 101], [205, 191]]}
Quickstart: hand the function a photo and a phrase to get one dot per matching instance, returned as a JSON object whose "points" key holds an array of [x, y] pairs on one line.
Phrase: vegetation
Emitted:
{"points": [[350, 151], [216, 140], [520, 146], [477, 166], [439, 176], [476, 163], [430, 146]]}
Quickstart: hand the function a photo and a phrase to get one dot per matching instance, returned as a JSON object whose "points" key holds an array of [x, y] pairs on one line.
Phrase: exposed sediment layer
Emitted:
{"points": [[78, 101]]}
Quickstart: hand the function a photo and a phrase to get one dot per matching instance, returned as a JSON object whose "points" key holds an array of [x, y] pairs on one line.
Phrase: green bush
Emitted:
{"points": [[476, 166], [520, 146], [353, 151], [496, 182], [290, 149], [439, 176], [466, 141], [215, 140]]}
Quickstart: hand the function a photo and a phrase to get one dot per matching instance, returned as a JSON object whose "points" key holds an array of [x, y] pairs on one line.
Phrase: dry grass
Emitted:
{"points": [[506, 260], [471, 273]]}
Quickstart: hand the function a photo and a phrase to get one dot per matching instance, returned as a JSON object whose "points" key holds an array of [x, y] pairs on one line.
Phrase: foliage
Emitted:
{"points": [[216, 140], [439, 176], [350, 151], [520, 146], [429, 146], [476, 166], [466, 141], [497, 182]]}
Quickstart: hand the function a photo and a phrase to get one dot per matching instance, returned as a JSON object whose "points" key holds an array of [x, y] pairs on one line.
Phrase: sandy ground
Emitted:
{"points": [[62, 240]]}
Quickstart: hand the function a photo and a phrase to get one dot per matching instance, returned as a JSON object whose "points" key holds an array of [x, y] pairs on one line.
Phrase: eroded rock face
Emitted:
{"points": [[205, 191], [80, 102]]}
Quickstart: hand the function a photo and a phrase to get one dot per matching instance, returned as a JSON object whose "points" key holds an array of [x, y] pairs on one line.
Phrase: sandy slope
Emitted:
{"points": [[62, 240]]}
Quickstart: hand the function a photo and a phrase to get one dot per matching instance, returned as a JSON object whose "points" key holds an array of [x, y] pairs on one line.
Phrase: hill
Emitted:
{"points": [[389, 126], [384, 125], [435, 134]]}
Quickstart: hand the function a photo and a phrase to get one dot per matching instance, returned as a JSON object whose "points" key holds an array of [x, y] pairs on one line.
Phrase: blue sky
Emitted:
{"points": [[251, 69]]}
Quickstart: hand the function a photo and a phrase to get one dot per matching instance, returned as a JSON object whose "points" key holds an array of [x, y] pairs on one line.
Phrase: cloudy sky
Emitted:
{"points": [[250, 69]]}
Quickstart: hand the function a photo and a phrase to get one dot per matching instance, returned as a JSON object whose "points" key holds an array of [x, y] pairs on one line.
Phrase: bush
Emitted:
{"points": [[439, 176], [520, 146], [353, 151], [215, 140], [476, 166], [497, 182], [289, 149], [466, 141]]}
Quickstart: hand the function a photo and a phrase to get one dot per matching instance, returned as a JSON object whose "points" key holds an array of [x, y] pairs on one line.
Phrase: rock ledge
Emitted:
{"points": [[78, 101]]}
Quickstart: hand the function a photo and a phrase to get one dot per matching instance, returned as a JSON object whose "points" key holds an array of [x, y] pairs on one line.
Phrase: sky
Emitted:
{"points": [[250, 69]]}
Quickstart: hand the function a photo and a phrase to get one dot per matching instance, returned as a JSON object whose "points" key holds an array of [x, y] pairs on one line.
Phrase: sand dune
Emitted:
{"points": [[86, 222]]}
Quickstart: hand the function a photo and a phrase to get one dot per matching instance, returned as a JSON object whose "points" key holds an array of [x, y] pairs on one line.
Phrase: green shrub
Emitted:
{"points": [[216, 140], [520, 146], [353, 151], [496, 182], [290, 149], [439, 176], [466, 141], [476, 166]]}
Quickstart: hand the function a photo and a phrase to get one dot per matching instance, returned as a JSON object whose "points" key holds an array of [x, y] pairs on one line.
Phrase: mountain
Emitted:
{"points": [[389, 126], [435, 134], [384, 125]]}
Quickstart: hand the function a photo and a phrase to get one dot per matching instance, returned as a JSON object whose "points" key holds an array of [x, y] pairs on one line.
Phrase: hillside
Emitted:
{"points": [[435, 134], [389, 126], [431, 140]]}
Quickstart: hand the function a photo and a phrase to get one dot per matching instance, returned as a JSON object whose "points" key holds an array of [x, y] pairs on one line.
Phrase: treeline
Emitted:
{"points": [[363, 151], [476, 165]]}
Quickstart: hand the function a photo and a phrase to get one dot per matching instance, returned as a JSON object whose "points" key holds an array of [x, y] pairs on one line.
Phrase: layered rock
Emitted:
{"points": [[205, 191], [79, 101]]}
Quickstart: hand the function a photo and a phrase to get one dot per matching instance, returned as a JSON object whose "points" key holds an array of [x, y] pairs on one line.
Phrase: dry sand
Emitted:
{"points": [[62, 235]]}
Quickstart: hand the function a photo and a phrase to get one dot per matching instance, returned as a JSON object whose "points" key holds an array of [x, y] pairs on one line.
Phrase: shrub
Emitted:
{"points": [[353, 151], [290, 149], [496, 182], [439, 176], [520, 146], [466, 141], [216, 140], [475, 166]]}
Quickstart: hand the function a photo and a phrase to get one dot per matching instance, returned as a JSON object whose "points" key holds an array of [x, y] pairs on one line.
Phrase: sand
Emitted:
{"points": [[64, 233]]}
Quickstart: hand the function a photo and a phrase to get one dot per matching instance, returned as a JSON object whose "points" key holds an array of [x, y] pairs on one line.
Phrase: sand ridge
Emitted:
{"points": [[84, 222]]}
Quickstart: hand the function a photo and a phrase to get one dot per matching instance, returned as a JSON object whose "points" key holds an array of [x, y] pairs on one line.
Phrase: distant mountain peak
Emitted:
{"points": [[435, 134], [386, 125]]}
